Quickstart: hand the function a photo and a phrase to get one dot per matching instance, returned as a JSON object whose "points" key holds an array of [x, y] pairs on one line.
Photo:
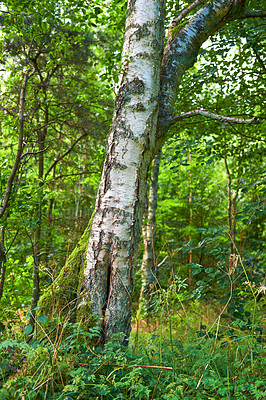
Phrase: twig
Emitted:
{"points": [[161, 263], [201, 376], [253, 14], [222, 118], [133, 366], [11, 244], [65, 154], [154, 390], [29, 153], [184, 13]]}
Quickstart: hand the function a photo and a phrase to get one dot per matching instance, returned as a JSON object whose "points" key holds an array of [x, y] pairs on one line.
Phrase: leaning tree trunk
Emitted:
{"points": [[133, 141], [148, 266], [116, 226], [145, 86]]}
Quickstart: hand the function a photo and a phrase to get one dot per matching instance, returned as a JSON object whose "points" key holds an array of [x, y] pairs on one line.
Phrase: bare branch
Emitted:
{"points": [[184, 13], [248, 136], [65, 154], [253, 14], [27, 75], [205, 113], [29, 153], [6, 110], [69, 176]]}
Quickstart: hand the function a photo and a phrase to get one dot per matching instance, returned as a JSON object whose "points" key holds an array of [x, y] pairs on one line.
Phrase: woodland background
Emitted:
{"points": [[205, 319]]}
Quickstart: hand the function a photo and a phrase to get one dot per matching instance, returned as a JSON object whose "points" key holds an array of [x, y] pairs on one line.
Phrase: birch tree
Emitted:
{"points": [[144, 112]]}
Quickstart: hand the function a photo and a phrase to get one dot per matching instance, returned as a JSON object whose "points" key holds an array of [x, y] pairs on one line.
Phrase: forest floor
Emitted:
{"points": [[189, 351]]}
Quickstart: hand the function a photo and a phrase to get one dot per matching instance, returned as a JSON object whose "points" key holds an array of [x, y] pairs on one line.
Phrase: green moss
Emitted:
{"points": [[60, 298], [84, 314], [174, 32]]}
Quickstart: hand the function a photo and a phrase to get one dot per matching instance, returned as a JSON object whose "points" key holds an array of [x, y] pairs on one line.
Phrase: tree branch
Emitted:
{"points": [[253, 14], [30, 153], [6, 110], [69, 176], [22, 102], [259, 59], [183, 45], [65, 154], [222, 118], [184, 13]]}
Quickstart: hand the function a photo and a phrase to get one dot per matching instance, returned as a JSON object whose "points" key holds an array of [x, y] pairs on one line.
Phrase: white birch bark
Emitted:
{"points": [[183, 46], [133, 141], [116, 225]]}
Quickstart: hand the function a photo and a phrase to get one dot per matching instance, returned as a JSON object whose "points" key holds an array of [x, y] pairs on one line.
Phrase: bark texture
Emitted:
{"points": [[144, 107], [61, 298], [183, 46], [116, 225]]}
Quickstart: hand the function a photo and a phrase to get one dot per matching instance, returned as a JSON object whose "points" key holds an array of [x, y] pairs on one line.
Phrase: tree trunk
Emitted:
{"points": [[143, 114], [61, 298], [13, 175], [2, 260], [231, 210], [148, 266], [116, 226], [133, 141], [37, 245], [190, 219]]}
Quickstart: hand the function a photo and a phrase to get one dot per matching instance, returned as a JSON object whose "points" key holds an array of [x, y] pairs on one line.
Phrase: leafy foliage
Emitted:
{"points": [[176, 361], [206, 333]]}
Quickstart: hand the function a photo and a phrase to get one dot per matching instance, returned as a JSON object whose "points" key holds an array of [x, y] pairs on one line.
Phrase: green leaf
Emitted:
{"points": [[43, 319], [28, 329], [202, 230]]}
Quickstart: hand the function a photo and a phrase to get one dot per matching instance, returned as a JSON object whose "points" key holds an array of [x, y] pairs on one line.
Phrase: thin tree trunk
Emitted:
{"points": [[49, 223], [190, 220], [231, 209], [13, 174], [148, 266], [22, 106], [233, 228], [2, 260], [37, 245]]}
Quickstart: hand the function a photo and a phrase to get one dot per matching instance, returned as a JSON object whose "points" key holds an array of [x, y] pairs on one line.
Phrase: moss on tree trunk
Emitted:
{"points": [[60, 300]]}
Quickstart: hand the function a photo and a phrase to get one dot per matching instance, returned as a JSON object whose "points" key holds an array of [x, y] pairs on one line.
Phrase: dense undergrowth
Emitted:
{"points": [[183, 351]]}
